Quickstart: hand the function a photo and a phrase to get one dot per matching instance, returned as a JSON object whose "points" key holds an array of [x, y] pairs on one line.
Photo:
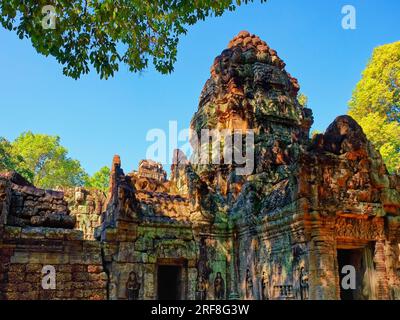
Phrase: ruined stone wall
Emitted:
{"points": [[146, 247], [25, 251], [29, 206], [142, 250], [163, 231], [87, 206], [36, 230]]}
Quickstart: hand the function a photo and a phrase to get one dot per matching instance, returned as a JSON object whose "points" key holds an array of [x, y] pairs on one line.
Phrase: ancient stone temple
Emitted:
{"points": [[288, 229]]}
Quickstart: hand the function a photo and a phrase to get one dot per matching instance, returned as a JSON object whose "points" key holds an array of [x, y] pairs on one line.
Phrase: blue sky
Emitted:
{"points": [[99, 118]]}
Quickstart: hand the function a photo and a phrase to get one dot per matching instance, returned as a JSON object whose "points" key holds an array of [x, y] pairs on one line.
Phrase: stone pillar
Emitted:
{"points": [[391, 261], [232, 269], [323, 273], [392, 257], [149, 282], [192, 283], [382, 287], [115, 167]]}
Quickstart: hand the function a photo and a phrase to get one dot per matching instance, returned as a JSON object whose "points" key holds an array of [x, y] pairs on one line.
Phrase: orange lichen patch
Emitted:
{"points": [[364, 196], [305, 206], [342, 181], [280, 159], [116, 161], [364, 165], [324, 193], [304, 187], [391, 209], [354, 155]]}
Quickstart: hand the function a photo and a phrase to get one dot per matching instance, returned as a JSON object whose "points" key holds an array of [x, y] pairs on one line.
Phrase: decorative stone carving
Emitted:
{"points": [[219, 287], [359, 228], [201, 289], [113, 287], [304, 287], [203, 267], [264, 287], [132, 286], [283, 292], [249, 285]]}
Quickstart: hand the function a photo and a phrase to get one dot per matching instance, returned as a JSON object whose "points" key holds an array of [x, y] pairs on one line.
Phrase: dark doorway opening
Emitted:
{"points": [[347, 257], [361, 258], [169, 284]]}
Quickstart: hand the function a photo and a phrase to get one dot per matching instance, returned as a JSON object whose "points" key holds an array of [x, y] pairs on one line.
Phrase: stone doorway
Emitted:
{"points": [[349, 257], [362, 260], [169, 282]]}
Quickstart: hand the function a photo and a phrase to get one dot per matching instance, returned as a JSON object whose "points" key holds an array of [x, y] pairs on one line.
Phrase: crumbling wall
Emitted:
{"points": [[25, 254], [87, 206], [30, 206], [36, 233], [141, 250]]}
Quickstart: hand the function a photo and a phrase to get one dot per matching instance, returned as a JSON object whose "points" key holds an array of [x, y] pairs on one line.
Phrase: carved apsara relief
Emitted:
{"points": [[219, 287], [132, 286]]}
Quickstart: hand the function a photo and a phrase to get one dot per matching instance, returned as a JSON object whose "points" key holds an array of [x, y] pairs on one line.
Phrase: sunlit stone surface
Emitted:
{"points": [[285, 231]]}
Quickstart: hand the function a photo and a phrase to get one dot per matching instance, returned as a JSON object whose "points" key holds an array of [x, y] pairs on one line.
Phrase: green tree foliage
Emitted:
{"points": [[99, 180], [6, 161], [303, 100], [105, 33], [43, 161], [9, 162], [375, 103]]}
